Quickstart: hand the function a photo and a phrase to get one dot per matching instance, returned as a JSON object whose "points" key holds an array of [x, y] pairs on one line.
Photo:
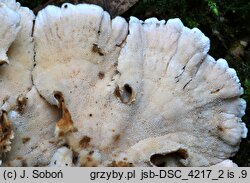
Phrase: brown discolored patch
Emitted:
{"points": [[117, 92], [19, 158], [96, 49], [75, 157], [84, 142], [101, 75], [6, 132], [65, 124], [221, 129], [2, 62], [25, 140], [89, 158], [120, 164], [183, 153], [61, 134], [117, 138], [21, 103], [24, 163]]}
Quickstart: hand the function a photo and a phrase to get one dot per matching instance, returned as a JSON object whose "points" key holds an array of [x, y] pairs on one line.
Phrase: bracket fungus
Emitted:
{"points": [[143, 93], [10, 22]]}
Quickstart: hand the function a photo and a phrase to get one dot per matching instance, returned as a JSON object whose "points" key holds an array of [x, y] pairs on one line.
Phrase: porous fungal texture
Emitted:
{"points": [[143, 93], [10, 25], [34, 124], [15, 77]]}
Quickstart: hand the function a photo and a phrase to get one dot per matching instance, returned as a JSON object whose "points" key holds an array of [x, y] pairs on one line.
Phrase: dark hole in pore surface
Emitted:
{"points": [[171, 159], [125, 94], [128, 89]]}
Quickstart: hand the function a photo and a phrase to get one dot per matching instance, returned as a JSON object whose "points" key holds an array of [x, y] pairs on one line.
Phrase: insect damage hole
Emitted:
{"points": [[126, 94], [173, 159], [59, 97]]}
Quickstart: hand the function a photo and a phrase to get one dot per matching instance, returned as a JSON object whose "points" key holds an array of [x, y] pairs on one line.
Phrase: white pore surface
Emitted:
{"points": [[136, 91]]}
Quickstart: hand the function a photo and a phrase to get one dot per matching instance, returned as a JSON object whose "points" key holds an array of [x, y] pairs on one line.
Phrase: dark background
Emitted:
{"points": [[225, 22]]}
